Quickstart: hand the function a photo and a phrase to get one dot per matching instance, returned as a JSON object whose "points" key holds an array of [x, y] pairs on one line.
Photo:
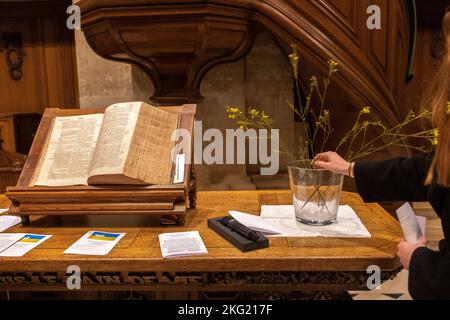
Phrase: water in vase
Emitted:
{"points": [[316, 193], [318, 206]]}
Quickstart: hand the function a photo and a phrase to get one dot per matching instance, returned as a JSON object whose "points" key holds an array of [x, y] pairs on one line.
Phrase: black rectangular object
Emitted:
{"points": [[25, 127], [235, 238]]}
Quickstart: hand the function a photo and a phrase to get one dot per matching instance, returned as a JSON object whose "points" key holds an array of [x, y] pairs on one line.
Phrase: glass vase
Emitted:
{"points": [[315, 192]]}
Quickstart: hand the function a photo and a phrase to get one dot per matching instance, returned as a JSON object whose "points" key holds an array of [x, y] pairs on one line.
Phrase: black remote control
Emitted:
{"points": [[238, 227]]}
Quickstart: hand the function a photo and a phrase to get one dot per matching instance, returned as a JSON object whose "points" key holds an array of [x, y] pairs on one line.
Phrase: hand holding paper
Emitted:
{"points": [[413, 227]]}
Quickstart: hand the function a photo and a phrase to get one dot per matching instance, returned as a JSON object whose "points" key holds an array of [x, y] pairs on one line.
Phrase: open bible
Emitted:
{"points": [[131, 143]]}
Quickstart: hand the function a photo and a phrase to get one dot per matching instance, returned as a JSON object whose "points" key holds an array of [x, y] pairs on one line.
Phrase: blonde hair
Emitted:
{"points": [[437, 97]]}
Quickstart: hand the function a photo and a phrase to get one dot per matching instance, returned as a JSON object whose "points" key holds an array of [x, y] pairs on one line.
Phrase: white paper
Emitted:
{"points": [[95, 243], [8, 239], [21, 247], [181, 244], [179, 168], [422, 221], [7, 222], [280, 222], [256, 223], [411, 228], [278, 212]]}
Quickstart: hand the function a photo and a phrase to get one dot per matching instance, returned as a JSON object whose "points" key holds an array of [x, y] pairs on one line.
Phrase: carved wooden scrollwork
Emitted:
{"points": [[14, 54], [193, 189], [204, 281]]}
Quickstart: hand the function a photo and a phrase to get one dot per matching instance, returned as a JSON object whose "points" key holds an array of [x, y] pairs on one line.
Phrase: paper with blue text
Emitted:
{"points": [[25, 244], [95, 243]]}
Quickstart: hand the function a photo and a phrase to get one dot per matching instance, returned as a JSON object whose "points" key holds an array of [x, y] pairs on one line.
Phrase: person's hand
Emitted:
{"points": [[405, 250], [331, 161]]}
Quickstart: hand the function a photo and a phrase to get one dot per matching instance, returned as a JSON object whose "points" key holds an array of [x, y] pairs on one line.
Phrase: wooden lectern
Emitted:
{"points": [[167, 201]]}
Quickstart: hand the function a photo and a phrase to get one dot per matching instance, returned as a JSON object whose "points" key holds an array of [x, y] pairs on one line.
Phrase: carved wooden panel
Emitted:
{"points": [[346, 15], [382, 44], [48, 70], [175, 46]]}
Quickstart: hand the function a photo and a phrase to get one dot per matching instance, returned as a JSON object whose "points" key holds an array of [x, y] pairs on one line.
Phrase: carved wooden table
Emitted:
{"points": [[289, 268]]}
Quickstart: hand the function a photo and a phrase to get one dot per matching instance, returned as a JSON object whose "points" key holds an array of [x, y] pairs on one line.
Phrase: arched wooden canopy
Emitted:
{"points": [[177, 42]]}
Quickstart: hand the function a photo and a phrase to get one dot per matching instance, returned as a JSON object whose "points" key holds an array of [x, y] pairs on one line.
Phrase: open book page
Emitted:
{"points": [[114, 140], [150, 155], [68, 151]]}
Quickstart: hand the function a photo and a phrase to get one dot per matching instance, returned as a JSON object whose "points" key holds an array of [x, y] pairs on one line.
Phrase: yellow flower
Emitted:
{"points": [[436, 133], [435, 140], [332, 66], [232, 110], [313, 81], [232, 116], [264, 116], [365, 110], [294, 58], [253, 113], [411, 115], [448, 107]]}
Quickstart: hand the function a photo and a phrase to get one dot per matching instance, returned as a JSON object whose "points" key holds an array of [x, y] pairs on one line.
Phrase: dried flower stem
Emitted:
{"points": [[396, 135]]}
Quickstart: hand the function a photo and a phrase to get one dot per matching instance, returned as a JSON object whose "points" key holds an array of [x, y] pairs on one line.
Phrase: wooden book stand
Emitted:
{"points": [[167, 201]]}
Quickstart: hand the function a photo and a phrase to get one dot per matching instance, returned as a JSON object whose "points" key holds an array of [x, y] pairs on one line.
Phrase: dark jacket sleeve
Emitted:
{"points": [[397, 179], [429, 274]]}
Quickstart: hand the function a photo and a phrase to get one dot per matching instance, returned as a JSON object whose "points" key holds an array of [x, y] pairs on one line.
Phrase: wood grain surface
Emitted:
{"points": [[139, 250]]}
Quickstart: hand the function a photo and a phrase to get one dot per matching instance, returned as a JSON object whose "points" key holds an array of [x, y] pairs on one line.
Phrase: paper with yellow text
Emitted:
{"points": [[95, 243], [25, 244]]}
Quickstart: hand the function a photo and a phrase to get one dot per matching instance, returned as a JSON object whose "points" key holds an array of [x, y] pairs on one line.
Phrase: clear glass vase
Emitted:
{"points": [[315, 192]]}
